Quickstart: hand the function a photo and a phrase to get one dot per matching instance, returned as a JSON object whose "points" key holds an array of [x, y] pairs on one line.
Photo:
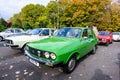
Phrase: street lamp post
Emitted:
{"points": [[58, 25]]}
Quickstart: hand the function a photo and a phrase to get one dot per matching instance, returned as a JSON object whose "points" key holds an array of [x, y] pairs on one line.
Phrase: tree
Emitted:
{"points": [[85, 12], [52, 13], [115, 22], [16, 22], [30, 14], [3, 24]]}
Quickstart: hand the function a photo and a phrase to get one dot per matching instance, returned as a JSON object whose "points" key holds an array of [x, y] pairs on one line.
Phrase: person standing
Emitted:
{"points": [[95, 30]]}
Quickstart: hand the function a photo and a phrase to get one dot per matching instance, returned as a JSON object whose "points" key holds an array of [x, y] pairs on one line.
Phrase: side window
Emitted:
{"points": [[45, 32], [90, 34], [18, 31], [10, 31], [85, 33], [52, 32]]}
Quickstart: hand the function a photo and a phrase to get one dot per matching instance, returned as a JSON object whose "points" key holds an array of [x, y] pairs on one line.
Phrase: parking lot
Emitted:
{"points": [[104, 65]]}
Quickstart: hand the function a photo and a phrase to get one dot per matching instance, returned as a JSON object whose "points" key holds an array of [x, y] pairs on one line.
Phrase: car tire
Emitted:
{"points": [[23, 48], [111, 41], [94, 49], [70, 65], [107, 44], [1, 38]]}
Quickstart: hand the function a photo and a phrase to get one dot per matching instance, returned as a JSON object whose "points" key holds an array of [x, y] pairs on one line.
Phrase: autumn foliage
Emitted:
{"points": [[66, 13]]}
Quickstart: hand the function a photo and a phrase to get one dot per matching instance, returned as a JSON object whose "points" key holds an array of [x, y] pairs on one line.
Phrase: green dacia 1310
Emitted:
{"points": [[64, 48]]}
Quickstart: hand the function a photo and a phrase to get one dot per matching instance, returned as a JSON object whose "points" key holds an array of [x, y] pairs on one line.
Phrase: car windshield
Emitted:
{"points": [[68, 32], [34, 31], [9, 30], [115, 33], [104, 33]]}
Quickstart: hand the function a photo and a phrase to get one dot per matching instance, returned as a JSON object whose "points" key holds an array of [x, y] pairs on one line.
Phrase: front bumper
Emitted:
{"points": [[37, 61], [102, 41], [10, 45], [117, 39]]}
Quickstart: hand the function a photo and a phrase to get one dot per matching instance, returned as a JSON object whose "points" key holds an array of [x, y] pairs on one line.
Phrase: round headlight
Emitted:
{"points": [[38, 53], [53, 56], [47, 54], [103, 39]]}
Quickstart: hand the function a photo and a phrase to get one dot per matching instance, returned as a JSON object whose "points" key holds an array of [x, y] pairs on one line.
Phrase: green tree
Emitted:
{"points": [[16, 22], [30, 15], [52, 13], [3, 24], [115, 22]]}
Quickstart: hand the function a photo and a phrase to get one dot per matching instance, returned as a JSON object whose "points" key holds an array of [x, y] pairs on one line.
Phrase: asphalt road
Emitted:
{"points": [[104, 65]]}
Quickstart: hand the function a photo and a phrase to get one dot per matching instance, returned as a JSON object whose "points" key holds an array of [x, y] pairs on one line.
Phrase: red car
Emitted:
{"points": [[105, 37]]}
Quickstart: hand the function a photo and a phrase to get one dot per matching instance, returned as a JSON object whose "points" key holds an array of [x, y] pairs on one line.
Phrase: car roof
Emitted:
{"points": [[105, 31], [78, 27]]}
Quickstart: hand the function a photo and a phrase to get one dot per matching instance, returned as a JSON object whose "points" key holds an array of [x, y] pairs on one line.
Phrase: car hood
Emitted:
{"points": [[106, 37], [25, 38], [55, 44], [3, 33]]}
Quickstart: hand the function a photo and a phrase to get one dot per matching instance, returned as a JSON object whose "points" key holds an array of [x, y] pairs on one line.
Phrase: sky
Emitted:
{"points": [[10, 7]]}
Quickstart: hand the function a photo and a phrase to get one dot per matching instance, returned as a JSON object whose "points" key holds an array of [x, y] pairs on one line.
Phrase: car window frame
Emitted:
{"points": [[85, 34]]}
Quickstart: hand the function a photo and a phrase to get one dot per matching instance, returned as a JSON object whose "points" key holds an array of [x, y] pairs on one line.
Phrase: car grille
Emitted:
{"points": [[36, 52], [100, 39], [9, 41]]}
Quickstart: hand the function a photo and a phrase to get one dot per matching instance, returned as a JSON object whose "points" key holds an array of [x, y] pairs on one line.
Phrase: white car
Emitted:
{"points": [[116, 36], [10, 31], [19, 42]]}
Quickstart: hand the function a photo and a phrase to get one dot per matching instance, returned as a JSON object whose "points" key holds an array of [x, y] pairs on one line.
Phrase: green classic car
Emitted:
{"points": [[64, 48]]}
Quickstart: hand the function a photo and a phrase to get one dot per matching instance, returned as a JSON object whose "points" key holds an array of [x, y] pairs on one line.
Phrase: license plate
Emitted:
{"points": [[34, 62]]}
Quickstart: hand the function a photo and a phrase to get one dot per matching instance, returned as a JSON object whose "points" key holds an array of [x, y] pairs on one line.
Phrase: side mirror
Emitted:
{"points": [[85, 37]]}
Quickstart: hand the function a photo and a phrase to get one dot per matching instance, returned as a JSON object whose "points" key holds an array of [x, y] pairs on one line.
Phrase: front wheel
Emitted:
{"points": [[23, 48], [107, 44], [70, 65], [1, 38]]}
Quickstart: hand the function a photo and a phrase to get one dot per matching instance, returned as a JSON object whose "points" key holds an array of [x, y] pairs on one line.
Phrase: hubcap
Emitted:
{"points": [[71, 64]]}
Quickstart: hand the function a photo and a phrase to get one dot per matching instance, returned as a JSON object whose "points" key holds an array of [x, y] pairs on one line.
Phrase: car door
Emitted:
{"points": [[91, 40], [84, 48]]}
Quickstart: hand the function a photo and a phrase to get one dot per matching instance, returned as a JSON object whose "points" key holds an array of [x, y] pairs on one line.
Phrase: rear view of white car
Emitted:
{"points": [[19, 42], [116, 36]]}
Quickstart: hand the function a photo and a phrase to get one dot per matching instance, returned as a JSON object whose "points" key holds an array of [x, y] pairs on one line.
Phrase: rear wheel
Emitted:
{"points": [[111, 41], [94, 49], [70, 65]]}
